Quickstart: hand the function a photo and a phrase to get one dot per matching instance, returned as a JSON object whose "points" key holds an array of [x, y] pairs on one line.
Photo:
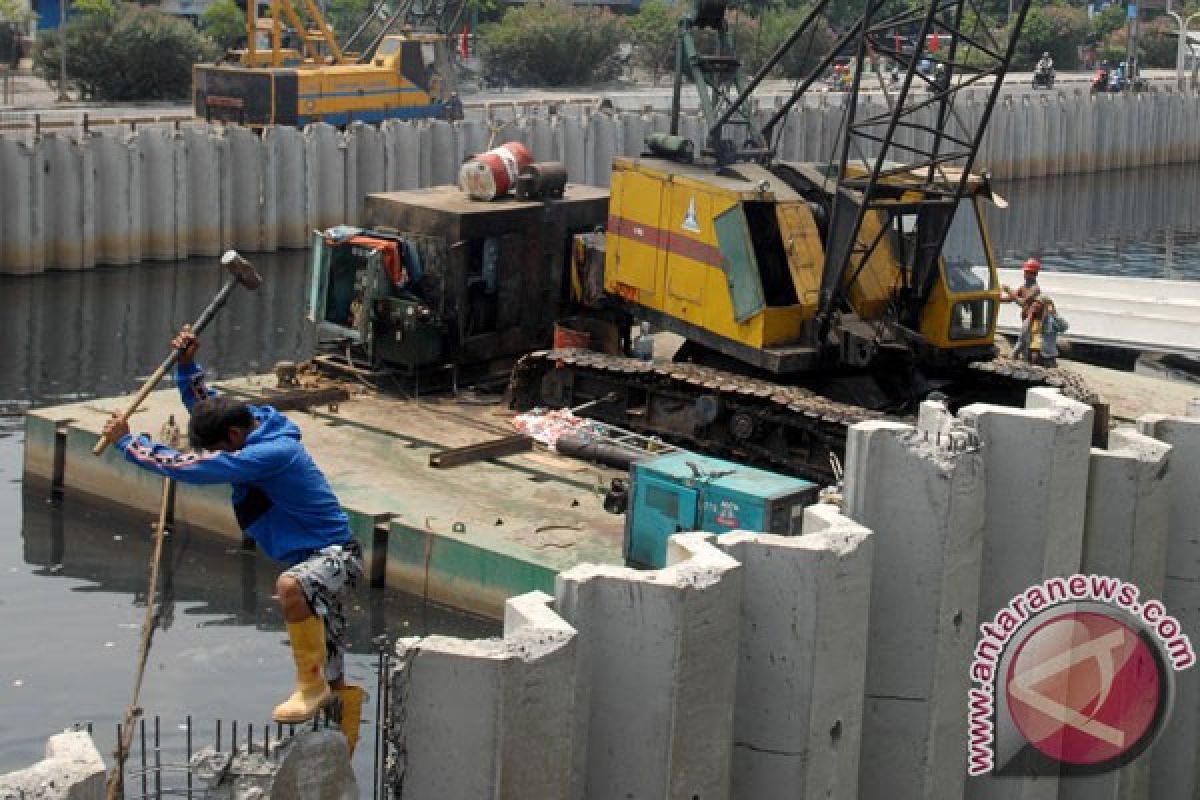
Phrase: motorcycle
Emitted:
{"points": [[1043, 78]]}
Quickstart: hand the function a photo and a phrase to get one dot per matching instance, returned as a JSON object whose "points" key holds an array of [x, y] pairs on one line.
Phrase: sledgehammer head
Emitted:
{"points": [[241, 269]]}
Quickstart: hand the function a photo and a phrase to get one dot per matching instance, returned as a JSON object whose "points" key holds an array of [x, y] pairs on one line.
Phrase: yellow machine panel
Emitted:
{"points": [[687, 244], [869, 287], [634, 219]]}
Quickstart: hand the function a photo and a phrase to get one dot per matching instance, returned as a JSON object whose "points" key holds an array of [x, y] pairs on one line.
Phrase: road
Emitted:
{"points": [[36, 98]]}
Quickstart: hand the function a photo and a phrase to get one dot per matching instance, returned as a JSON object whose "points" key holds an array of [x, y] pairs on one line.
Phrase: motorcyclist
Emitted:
{"points": [[1046, 64], [941, 78], [1100, 79]]}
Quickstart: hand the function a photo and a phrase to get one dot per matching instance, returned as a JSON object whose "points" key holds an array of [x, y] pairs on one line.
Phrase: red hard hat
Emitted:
{"points": [[1032, 265]]}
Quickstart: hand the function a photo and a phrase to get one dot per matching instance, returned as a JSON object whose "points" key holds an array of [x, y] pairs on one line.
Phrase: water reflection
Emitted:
{"points": [[220, 650], [69, 335], [215, 580], [1143, 223]]}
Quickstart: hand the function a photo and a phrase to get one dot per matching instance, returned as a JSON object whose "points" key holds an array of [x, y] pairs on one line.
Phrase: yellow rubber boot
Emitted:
{"points": [[312, 692], [352, 702]]}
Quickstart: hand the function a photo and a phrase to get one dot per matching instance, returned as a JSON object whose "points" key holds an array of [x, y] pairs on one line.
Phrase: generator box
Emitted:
{"points": [[494, 274], [435, 279], [689, 492]]}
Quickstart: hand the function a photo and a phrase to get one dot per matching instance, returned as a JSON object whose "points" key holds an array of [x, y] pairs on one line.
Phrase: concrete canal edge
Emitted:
{"points": [[458, 567]]}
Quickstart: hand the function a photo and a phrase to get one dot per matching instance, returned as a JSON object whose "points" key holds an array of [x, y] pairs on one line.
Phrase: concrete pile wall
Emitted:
{"points": [[313, 765], [835, 663], [71, 770], [75, 200], [759, 641], [921, 491]]}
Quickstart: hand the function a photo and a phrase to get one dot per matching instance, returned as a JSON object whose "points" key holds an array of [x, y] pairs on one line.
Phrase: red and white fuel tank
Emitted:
{"points": [[494, 173]]}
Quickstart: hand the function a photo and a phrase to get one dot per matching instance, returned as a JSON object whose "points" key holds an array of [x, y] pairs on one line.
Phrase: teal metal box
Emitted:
{"points": [[688, 492]]}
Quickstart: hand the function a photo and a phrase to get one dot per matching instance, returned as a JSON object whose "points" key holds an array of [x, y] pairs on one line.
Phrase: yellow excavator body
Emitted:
{"points": [[734, 258]]}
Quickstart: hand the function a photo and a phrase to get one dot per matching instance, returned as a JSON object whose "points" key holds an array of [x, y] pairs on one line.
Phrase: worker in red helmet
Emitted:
{"points": [[1025, 295]]}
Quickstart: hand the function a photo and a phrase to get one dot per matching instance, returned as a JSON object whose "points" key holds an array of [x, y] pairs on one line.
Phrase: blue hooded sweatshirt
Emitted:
{"points": [[280, 497]]}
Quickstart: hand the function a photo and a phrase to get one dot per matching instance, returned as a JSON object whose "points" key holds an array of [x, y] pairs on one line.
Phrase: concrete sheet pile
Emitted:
{"points": [[1175, 769], [78, 199], [71, 770], [921, 491], [490, 718], [313, 765], [832, 664]]}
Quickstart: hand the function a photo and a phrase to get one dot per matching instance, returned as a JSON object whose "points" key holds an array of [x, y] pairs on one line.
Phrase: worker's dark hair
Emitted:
{"points": [[213, 417]]}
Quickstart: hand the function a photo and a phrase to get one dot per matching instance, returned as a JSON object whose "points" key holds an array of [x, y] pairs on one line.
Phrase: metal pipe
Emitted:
{"points": [[189, 756], [62, 51], [145, 788], [157, 759]]}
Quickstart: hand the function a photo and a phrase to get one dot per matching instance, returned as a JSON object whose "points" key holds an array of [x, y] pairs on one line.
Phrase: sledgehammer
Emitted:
{"points": [[241, 272]]}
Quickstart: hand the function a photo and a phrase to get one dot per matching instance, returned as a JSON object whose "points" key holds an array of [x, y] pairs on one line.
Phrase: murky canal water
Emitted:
{"points": [[1140, 223], [72, 577]]}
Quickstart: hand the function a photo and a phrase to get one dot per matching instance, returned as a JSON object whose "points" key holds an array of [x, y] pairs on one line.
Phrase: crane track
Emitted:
{"points": [[788, 428]]}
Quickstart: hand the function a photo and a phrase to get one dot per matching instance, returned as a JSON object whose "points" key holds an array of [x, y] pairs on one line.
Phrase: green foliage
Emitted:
{"points": [[807, 52], [130, 53], [11, 11], [1108, 21], [653, 29], [224, 23], [344, 16], [1057, 30], [100, 8], [1156, 45], [553, 44]]}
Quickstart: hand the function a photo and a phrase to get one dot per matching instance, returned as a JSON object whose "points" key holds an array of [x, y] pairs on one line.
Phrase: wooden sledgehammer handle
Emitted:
{"points": [[242, 273], [140, 397]]}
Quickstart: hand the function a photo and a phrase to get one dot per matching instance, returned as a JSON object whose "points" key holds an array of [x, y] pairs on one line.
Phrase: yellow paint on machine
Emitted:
{"points": [[358, 88], [662, 242]]}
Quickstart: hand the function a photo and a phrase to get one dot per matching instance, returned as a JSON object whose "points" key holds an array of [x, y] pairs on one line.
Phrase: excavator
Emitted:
{"points": [[810, 296]]}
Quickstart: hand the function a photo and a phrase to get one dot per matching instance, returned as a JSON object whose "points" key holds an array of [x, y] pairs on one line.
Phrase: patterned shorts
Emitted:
{"points": [[325, 578]]}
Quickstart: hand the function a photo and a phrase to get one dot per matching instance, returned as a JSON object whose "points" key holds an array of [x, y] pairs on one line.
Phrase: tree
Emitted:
{"points": [[1156, 45], [654, 29], [344, 16], [1108, 21], [123, 53], [14, 21], [553, 44], [224, 23], [1057, 30], [804, 55]]}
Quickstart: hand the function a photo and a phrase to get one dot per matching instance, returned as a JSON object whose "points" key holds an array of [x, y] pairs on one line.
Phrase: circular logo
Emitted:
{"points": [[1085, 688]]}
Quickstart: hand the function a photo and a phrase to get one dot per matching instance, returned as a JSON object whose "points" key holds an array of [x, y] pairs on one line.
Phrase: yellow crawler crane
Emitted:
{"points": [[810, 295], [405, 75], [734, 261]]}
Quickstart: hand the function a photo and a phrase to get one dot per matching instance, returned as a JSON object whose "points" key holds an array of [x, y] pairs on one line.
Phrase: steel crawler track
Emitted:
{"points": [[786, 428]]}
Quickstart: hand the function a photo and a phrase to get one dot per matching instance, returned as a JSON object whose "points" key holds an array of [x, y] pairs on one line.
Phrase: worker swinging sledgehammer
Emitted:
{"points": [[283, 501]]}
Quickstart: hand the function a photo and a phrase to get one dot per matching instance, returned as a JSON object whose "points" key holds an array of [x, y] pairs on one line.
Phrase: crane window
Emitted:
{"points": [[972, 319], [388, 47], [968, 265]]}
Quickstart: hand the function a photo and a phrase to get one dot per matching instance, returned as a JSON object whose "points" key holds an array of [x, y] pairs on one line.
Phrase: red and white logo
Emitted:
{"points": [[1086, 688], [1075, 675]]}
